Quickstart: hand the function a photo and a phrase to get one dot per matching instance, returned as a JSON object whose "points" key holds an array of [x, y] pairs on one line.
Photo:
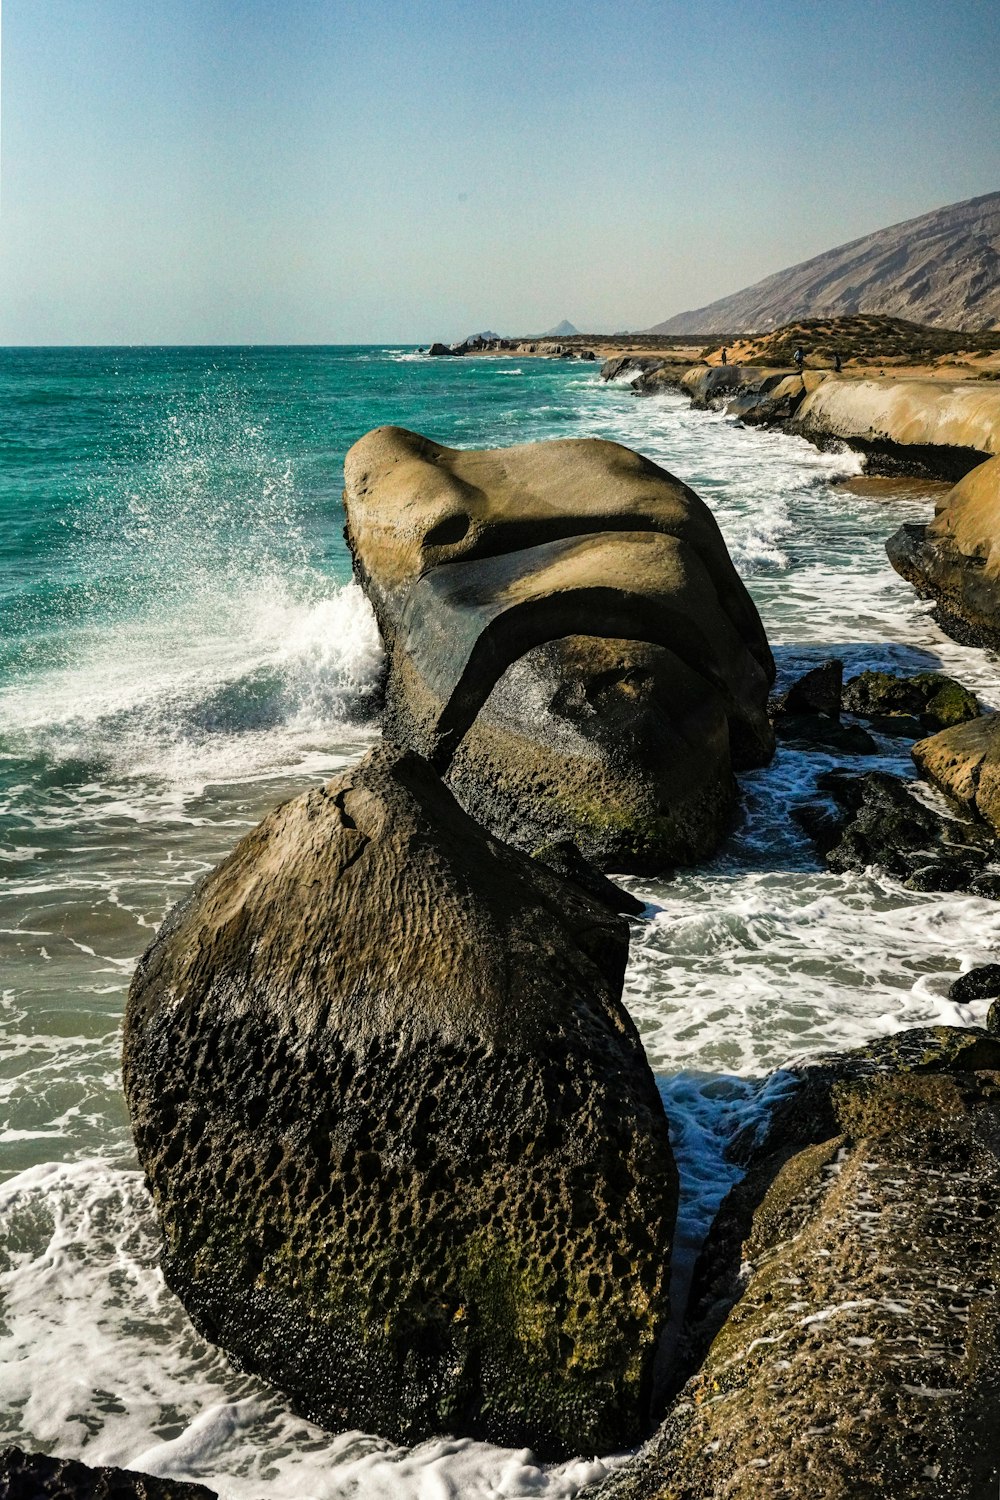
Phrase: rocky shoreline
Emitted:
{"points": [[405, 1149]]}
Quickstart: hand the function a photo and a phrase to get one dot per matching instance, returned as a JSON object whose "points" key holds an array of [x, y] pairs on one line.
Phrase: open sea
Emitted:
{"points": [[182, 647]]}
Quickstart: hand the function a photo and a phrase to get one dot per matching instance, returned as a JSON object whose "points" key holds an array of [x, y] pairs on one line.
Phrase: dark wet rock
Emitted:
{"points": [[817, 692], [880, 820], [406, 1152], [993, 1018], [440, 350], [898, 726], [982, 983], [567, 640], [844, 1321], [965, 763], [773, 400], [931, 698], [816, 731], [38, 1476], [956, 559], [565, 859]]}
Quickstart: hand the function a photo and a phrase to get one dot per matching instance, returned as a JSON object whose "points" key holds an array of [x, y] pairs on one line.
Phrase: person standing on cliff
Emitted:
{"points": [[836, 362], [724, 357], [800, 358]]}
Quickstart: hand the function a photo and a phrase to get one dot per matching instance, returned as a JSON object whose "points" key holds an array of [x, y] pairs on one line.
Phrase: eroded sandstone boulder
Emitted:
{"points": [[407, 1155], [845, 1310], [955, 560], [965, 763], [567, 640]]}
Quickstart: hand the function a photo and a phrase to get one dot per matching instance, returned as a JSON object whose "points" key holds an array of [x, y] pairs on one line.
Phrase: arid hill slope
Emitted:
{"points": [[942, 268]]}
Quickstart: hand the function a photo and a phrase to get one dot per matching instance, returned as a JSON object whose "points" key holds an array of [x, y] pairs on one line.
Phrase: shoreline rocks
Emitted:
{"points": [[567, 641], [956, 559], [930, 428], [407, 1155], [845, 1314], [964, 763], [39, 1476]]}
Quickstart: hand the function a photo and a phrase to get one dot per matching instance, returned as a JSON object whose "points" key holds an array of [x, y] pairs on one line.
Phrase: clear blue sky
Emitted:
{"points": [[333, 171]]}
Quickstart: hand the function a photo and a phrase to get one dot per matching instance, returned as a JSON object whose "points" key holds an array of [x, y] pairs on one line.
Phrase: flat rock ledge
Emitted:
{"points": [[567, 640], [406, 1152], [956, 559], [845, 1320], [930, 427]]}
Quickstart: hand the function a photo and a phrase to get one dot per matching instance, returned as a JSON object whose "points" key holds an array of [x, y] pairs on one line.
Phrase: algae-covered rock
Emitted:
{"points": [[847, 1295], [567, 640], [936, 700], [39, 1476], [965, 763], [406, 1152]]}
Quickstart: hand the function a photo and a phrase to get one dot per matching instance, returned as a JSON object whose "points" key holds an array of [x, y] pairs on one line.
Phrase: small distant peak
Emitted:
{"points": [[563, 330]]}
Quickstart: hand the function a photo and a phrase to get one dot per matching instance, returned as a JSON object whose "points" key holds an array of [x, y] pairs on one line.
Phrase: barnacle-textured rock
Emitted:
{"points": [[860, 1260], [567, 640], [38, 1476], [406, 1151]]}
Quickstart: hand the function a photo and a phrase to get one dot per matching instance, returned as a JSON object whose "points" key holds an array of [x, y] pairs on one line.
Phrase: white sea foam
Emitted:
{"points": [[247, 683]]}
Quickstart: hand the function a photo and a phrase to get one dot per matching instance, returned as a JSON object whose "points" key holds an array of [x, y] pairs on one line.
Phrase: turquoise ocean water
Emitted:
{"points": [[181, 647]]}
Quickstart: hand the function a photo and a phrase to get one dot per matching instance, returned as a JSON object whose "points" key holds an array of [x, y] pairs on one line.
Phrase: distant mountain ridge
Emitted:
{"points": [[942, 269], [563, 330]]}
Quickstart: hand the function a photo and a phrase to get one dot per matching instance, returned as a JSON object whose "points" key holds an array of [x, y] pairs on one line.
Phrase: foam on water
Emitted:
{"points": [[242, 685]]}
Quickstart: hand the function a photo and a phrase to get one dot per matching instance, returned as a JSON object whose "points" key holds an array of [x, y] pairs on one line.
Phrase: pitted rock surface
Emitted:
{"points": [[407, 1154], [531, 599], [860, 1259]]}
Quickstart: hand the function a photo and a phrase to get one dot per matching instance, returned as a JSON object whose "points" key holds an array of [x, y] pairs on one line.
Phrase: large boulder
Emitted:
{"points": [[848, 1294], [567, 640], [406, 1151], [965, 763], [955, 560]]}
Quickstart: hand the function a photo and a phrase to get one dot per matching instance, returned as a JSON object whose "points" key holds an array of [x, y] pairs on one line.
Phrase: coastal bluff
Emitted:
{"points": [[567, 639], [406, 1152]]}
